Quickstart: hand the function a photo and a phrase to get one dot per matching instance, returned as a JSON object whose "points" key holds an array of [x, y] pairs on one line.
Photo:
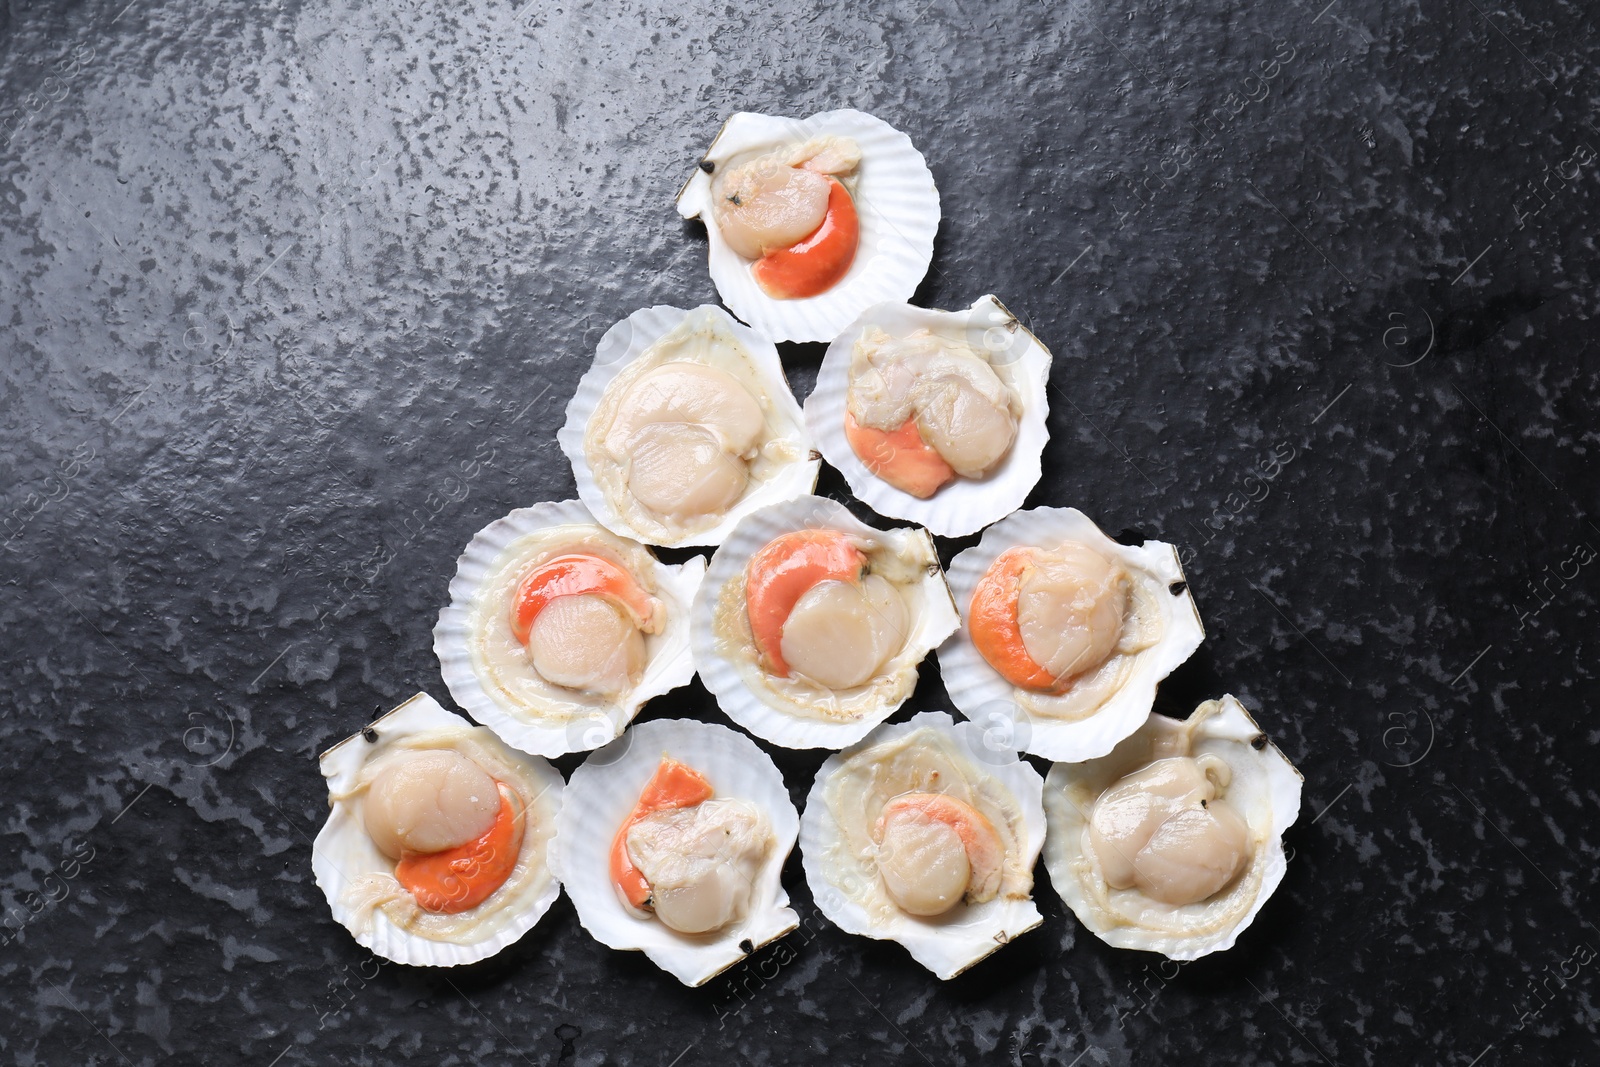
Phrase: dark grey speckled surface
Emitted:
{"points": [[293, 297]]}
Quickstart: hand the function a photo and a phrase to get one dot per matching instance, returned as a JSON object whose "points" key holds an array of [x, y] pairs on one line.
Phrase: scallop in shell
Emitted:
{"points": [[810, 625], [672, 842], [1065, 631], [811, 221], [926, 833], [558, 630], [683, 425], [436, 851], [1174, 841], [938, 417]]}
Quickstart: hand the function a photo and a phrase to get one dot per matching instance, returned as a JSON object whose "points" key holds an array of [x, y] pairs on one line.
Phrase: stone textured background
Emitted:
{"points": [[293, 296]]}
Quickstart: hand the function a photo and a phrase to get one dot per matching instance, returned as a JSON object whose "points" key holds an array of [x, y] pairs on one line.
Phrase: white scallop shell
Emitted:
{"points": [[896, 202], [1265, 790], [965, 505], [736, 684], [603, 793], [978, 689], [954, 942], [668, 666], [625, 342], [344, 852]]}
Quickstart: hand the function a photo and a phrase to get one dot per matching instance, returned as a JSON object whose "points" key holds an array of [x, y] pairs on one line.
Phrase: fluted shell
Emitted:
{"points": [[896, 201], [581, 722], [790, 469], [979, 691], [742, 688], [1265, 790], [965, 505], [343, 852], [953, 942], [603, 793]]}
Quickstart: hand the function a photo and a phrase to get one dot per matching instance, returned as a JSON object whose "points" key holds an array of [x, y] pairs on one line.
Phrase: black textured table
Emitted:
{"points": [[294, 296]]}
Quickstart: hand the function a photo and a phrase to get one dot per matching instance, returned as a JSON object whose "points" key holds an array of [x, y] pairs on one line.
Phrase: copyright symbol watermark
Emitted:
{"points": [[996, 332], [598, 733], [1408, 337], [1409, 739], [1002, 731], [610, 342], [207, 740]]}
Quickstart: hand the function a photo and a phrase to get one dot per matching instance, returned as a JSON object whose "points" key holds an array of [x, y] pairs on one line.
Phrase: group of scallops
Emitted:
{"points": [[448, 841]]}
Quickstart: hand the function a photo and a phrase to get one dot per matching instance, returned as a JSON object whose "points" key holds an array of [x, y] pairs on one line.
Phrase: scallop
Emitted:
{"points": [[1065, 632], [810, 625], [672, 843], [811, 221], [771, 201], [683, 425], [698, 862], [558, 630], [1173, 841], [926, 833], [938, 417], [436, 850], [429, 802]]}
